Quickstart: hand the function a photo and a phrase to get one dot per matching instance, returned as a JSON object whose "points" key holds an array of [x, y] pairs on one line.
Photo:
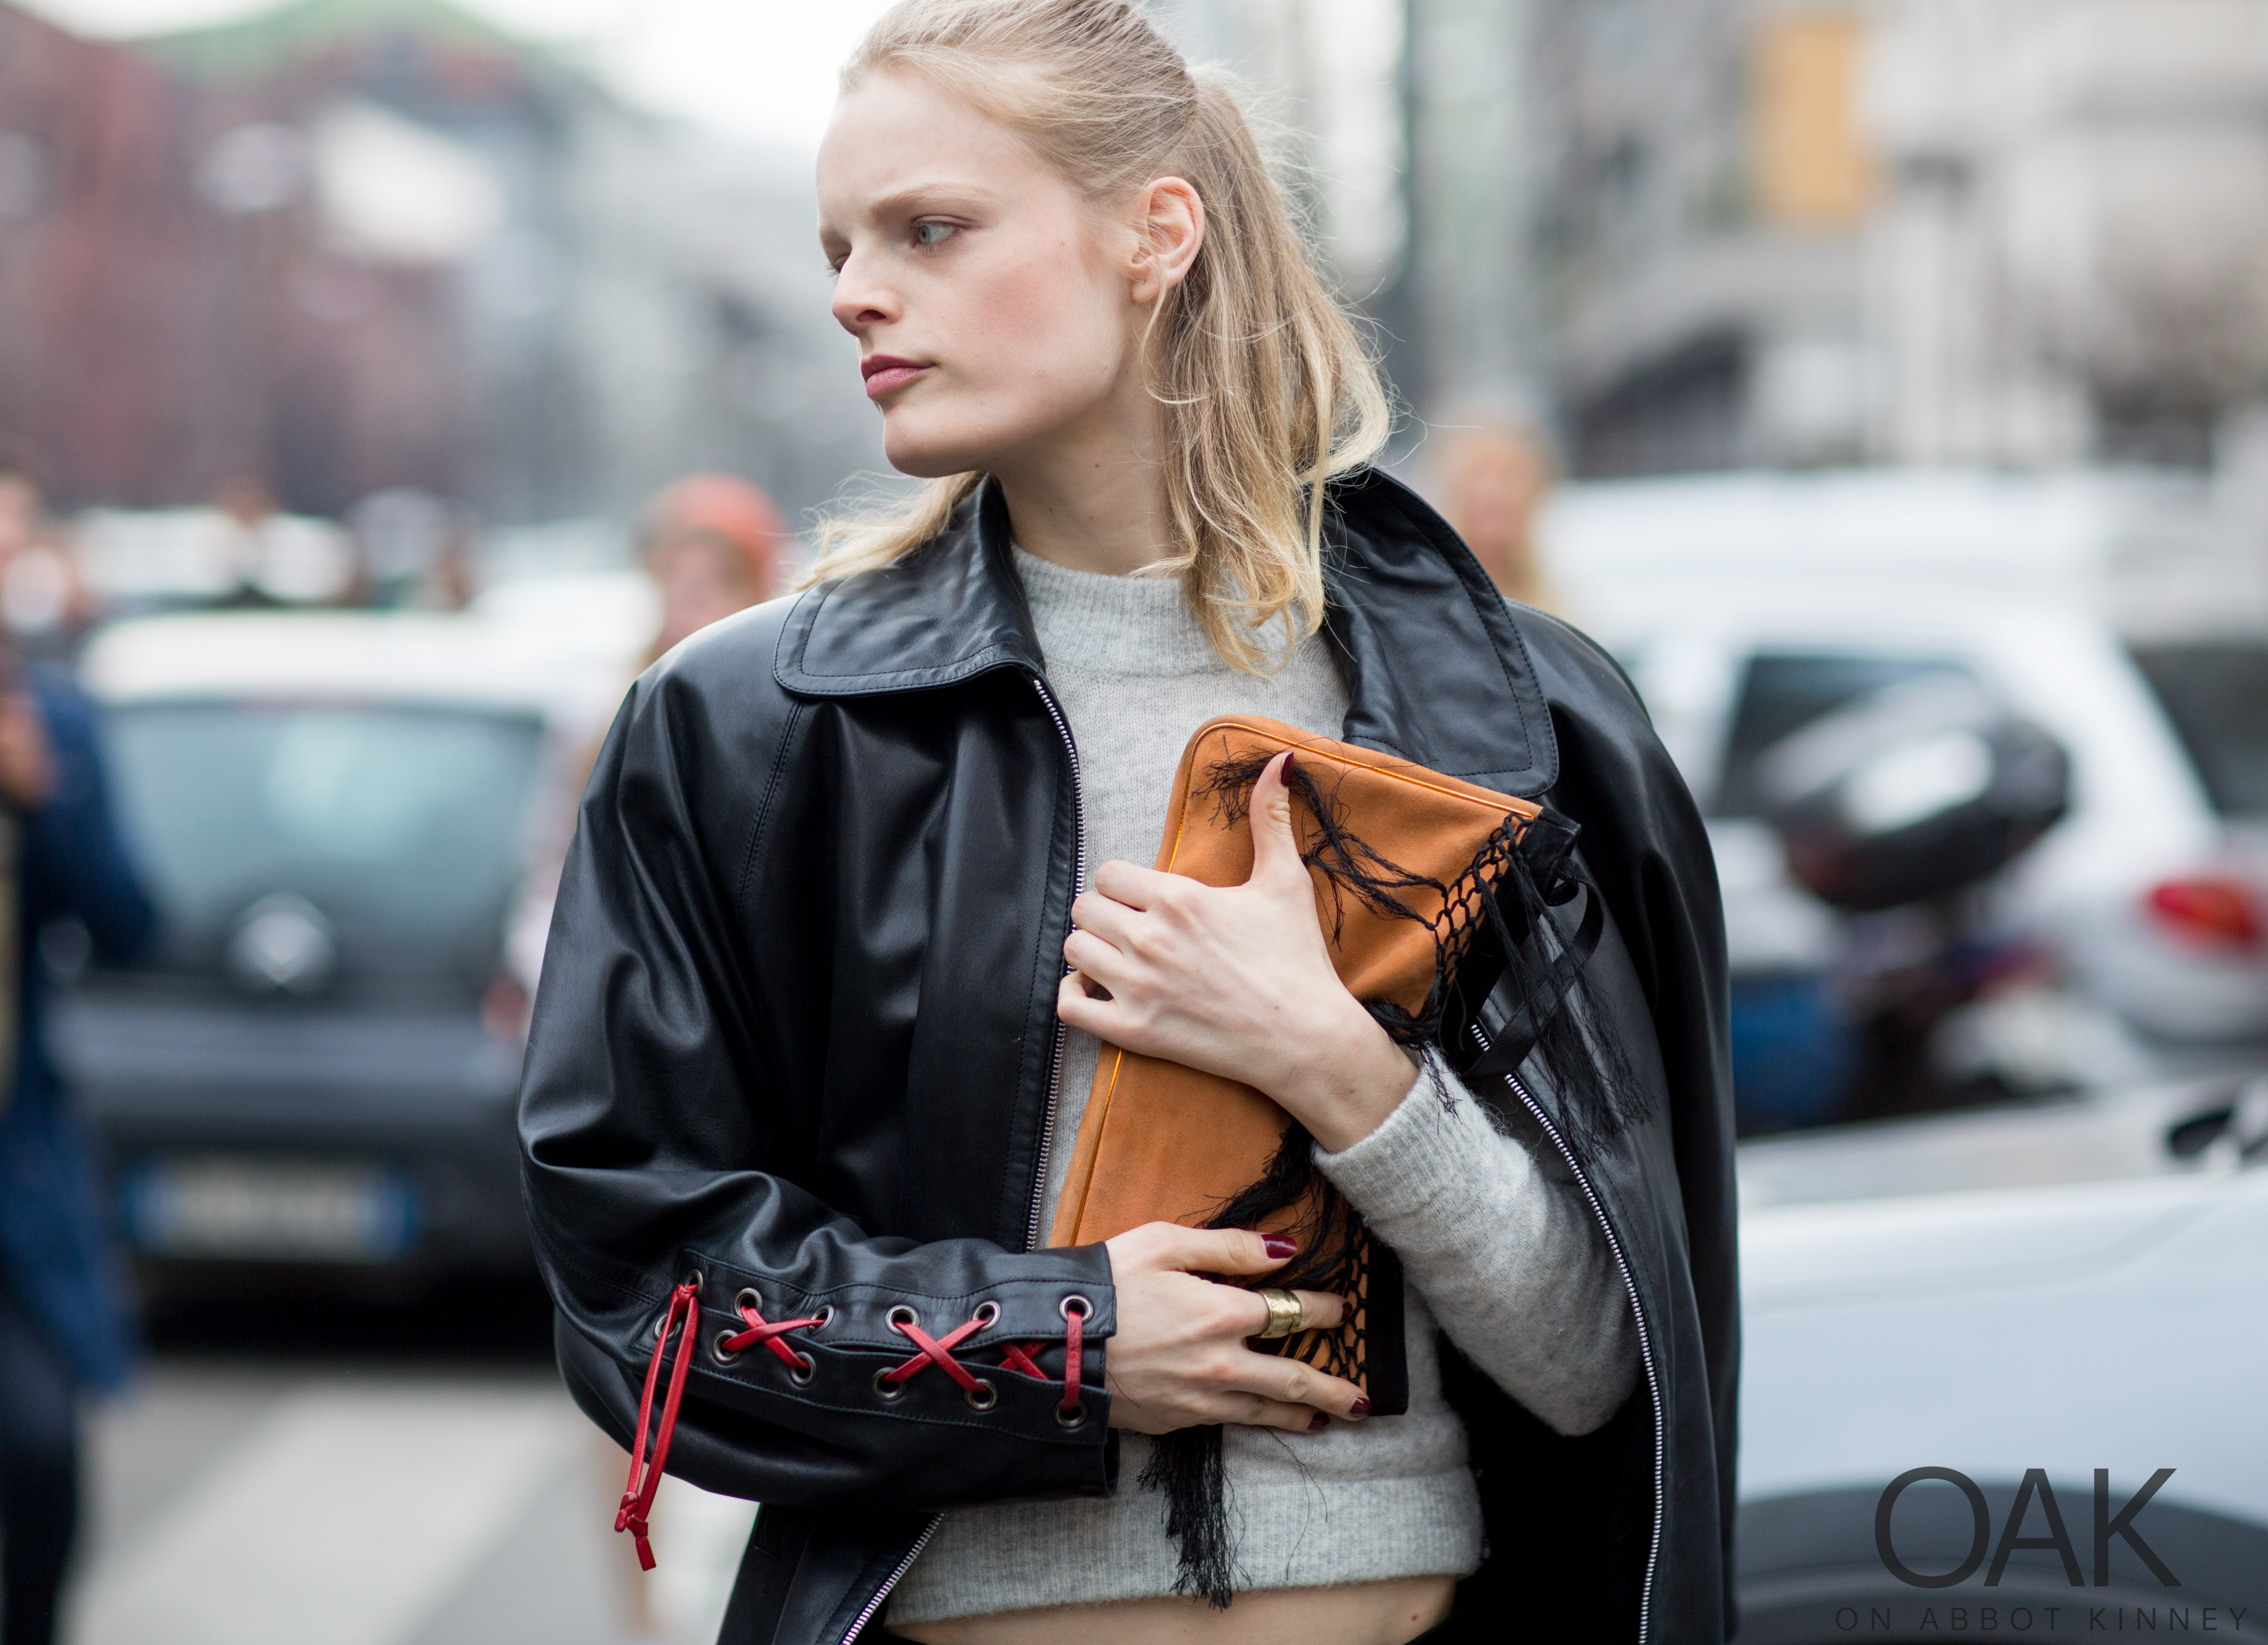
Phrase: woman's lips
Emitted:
{"points": [[884, 372]]}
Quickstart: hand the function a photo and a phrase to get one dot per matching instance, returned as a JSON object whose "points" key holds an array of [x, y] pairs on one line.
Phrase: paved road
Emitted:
{"points": [[274, 1480]]}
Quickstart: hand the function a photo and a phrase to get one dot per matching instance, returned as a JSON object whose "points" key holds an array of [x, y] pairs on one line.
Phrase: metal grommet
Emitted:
{"points": [[1071, 1418], [694, 1279], [986, 1313], [887, 1391], [902, 1316], [982, 1397], [747, 1298], [1086, 1308], [724, 1355], [802, 1371], [826, 1315]]}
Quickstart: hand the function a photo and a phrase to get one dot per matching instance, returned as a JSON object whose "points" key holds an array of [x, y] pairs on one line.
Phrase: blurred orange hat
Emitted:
{"points": [[722, 506]]}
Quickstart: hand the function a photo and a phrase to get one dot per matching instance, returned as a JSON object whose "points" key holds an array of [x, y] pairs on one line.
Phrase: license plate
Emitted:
{"points": [[232, 1209]]}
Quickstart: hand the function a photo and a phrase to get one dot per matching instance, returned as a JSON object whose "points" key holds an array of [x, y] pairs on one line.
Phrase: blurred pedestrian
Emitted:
{"points": [[245, 507], [411, 550], [65, 1324], [1495, 474], [44, 599], [713, 546]]}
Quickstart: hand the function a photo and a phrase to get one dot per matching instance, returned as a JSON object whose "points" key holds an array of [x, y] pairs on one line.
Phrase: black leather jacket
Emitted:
{"points": [[795, 1036]]}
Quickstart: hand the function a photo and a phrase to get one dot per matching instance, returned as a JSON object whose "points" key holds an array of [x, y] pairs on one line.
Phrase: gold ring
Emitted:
{"points": [[1284, 1313]]}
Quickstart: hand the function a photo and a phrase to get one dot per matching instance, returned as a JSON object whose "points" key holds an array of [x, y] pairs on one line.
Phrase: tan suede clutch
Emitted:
{"points": [[1397, 853]]}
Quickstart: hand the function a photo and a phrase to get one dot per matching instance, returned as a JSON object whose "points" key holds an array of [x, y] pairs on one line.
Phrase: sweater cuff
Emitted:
{"points": [[1425, 1147]]}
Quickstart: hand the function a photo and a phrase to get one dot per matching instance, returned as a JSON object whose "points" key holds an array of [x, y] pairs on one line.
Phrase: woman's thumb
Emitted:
{"points": [[1275, 848]]}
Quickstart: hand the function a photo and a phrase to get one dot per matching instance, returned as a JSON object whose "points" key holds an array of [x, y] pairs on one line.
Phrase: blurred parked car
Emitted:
{"points": [[335, 812], [2062, 1286], [1749, 607], [2150, 898]]}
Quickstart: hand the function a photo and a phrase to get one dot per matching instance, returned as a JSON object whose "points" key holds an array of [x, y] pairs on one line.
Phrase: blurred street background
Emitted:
{"points": [[1884, 383]]}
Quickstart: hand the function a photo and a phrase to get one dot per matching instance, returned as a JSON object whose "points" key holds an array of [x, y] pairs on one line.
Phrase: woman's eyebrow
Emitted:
{"points": [[929, 196]]}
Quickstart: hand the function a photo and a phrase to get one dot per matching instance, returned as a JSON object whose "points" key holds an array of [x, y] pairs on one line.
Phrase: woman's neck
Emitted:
{"points": [[1092, 497]]}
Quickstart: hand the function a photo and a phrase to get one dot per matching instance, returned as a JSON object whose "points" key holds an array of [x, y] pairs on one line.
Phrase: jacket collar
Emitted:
{"points": [[949, 611], [1435, 668]]}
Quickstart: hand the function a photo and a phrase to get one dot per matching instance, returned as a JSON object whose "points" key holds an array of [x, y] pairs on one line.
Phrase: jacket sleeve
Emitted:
{"points": [[75, 863], [656, 1141], [1507, 1255], [1644, 841]]}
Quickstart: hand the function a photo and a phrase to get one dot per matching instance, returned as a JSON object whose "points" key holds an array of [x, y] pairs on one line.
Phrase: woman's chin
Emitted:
{"points": [[930, 458]]}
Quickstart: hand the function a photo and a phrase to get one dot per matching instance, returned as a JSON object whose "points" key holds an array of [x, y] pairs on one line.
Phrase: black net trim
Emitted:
{"points": [[1352, 868]]}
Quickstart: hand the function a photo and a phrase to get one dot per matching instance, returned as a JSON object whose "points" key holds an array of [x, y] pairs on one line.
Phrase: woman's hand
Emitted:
{"points": [[1178, 1358], [1236, 980]]}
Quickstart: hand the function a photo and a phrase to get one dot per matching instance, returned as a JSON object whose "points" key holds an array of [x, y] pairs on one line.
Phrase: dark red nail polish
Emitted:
{"points": [[1360, 1408], [1318, 1423], [1279, 1248]]}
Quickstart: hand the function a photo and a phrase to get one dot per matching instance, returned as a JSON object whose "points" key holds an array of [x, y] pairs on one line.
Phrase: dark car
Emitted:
{"points": [[335, 815]]}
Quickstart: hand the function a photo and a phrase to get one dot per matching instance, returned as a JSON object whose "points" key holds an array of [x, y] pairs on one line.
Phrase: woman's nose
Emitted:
{"points": [[859, 303]]}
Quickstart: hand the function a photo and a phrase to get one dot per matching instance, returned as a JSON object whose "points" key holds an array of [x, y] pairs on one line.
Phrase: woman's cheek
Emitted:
{"points": [[1023, 341]]}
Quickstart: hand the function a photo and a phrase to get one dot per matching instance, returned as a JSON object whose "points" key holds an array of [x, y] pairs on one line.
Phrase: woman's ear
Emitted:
{"points": [[1170, 229]]}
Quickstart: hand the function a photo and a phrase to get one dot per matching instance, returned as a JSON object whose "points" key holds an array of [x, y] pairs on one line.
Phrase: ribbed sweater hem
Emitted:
{"points": [[1320, 1533]]}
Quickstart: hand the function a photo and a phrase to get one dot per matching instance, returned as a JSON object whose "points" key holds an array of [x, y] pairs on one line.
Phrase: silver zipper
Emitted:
{"points": [[1638, 1314], [895, 1576], [1047, 1124], [1077, 885]]}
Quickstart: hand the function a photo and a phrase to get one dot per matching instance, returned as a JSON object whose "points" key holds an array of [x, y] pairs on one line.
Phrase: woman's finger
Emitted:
{"points": [[1136, 887], [1214, 1249], [1293, 1382], [1096, 958], [1104, 916], [1078, 1009], [1318, 1310], [1261, 1412]]}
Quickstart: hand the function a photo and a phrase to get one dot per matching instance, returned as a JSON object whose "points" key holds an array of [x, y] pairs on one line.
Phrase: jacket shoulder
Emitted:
{"points": [[1578, 674], [721, 677], [700, 740]]}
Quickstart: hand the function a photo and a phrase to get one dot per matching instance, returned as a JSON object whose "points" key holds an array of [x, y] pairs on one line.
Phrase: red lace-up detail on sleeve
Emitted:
{"points": [[937, 1351], [683, 1317], [768, 1334], [645, 1480], [1017, 1356], [1074, 1352]]}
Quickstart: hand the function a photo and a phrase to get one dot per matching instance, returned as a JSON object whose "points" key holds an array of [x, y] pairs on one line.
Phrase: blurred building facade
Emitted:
{"points": [[1908, 230], [1705, 233], [353, 246]]}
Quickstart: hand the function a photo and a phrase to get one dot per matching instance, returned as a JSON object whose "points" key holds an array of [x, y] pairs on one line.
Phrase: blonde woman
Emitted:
{"points": [[858, 896]]}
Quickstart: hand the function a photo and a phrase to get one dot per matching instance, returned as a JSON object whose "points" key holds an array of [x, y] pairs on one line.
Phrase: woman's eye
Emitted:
{"points": [[929, 234]]}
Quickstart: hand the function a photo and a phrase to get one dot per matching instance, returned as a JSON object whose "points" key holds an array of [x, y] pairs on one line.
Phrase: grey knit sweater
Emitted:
{"points": [[1495, 1244]]}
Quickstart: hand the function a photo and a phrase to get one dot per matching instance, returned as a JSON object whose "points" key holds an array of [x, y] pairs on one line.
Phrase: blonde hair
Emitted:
{"points": [[1267, 388]]}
